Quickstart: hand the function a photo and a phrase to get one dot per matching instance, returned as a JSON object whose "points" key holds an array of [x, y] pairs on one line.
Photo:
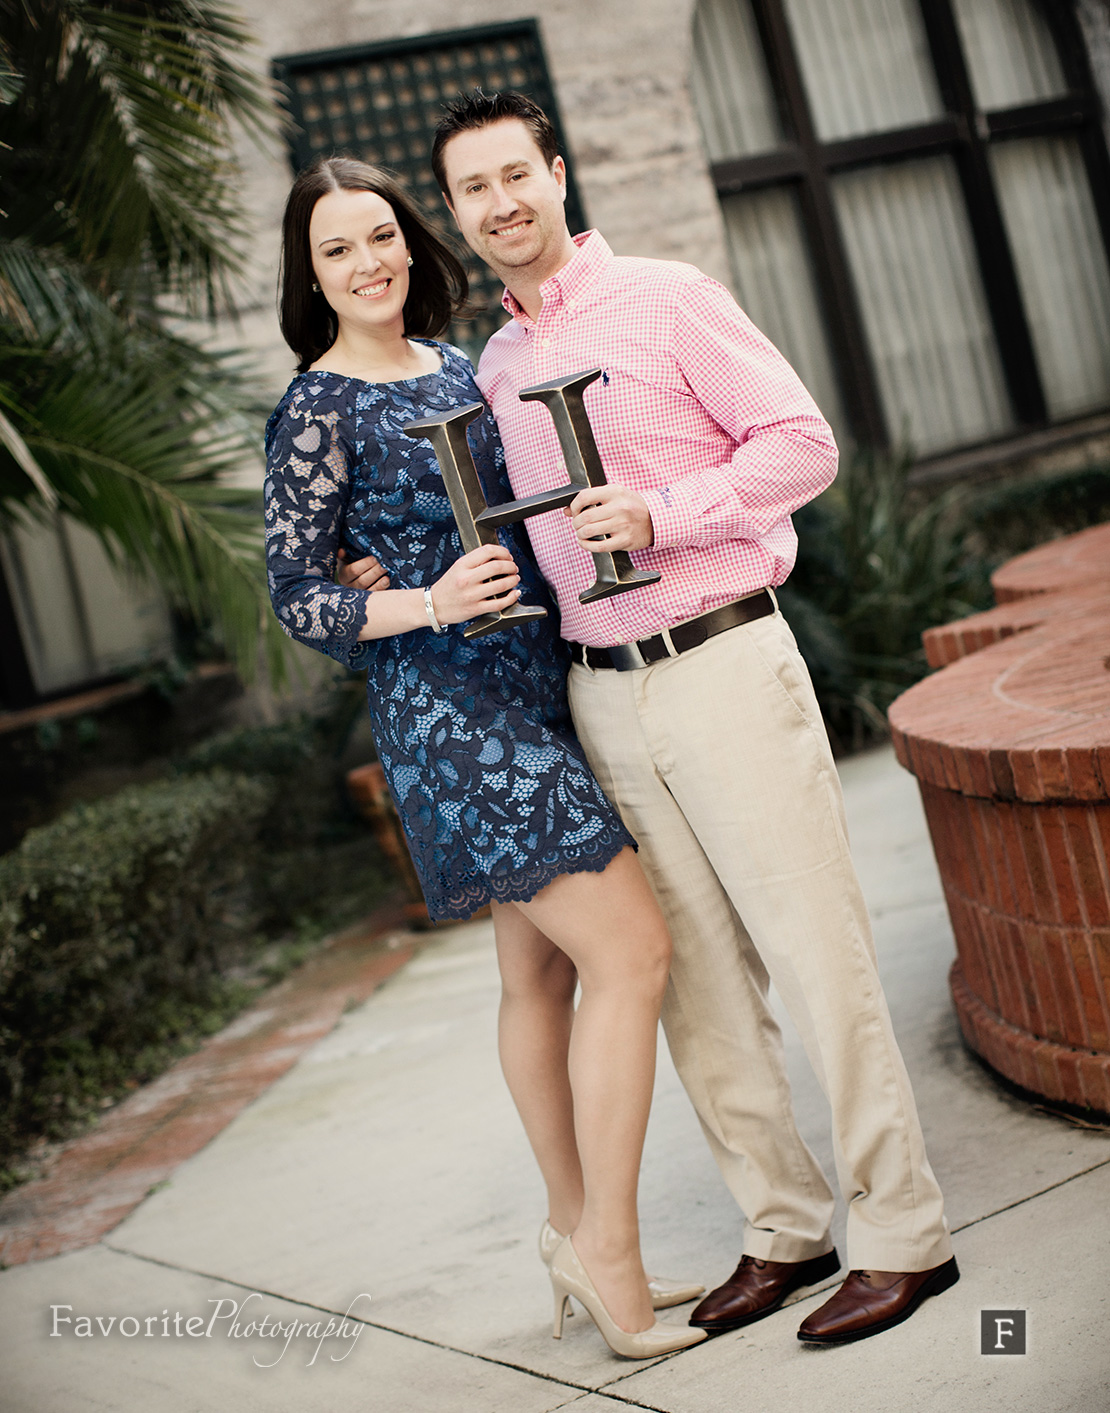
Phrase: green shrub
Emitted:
{"points": [[116, 923], [1012, 517], [315, 858], [880, 561], [302, 778], [877, 565], [132, 927]]}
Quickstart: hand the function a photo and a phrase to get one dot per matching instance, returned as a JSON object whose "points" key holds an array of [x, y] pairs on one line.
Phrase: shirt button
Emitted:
{"points": [[545, 343]]}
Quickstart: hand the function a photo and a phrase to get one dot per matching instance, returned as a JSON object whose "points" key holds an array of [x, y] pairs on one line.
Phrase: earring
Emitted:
{"points": [[410, 261], [315, 287]]}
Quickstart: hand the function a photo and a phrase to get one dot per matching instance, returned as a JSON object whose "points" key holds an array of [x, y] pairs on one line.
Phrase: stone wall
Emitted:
{"points": [[622, 78]]}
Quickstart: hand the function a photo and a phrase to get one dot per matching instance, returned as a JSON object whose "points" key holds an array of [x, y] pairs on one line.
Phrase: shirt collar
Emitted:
{"points": [[567, 285]]}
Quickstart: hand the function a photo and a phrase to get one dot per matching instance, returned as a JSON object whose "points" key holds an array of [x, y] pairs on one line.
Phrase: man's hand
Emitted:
{"points": [[615, 512], [360, 573]]}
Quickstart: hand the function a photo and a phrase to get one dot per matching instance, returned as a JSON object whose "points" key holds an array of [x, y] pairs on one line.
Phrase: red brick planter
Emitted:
{"points": [[1060, 565], [1011, 748]]}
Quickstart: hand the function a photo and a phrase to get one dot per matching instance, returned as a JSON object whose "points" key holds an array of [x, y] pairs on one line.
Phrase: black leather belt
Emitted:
{"points": [[644, 651]]}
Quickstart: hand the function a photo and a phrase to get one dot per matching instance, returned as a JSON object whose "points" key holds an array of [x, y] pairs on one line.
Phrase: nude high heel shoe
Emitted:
{"points": [[664, 1294], [568, 1277]]}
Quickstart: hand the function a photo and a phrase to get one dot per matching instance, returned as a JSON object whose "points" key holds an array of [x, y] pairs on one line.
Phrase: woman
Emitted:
{"points": [[492, 788]]}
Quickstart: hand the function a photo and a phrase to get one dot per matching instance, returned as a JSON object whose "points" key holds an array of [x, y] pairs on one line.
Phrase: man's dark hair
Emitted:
{"points": [[437, 280], [478, 110]]}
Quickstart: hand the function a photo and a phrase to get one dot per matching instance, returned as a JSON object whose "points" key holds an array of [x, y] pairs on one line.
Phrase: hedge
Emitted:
{"points": [[117, 922], [315, 857]]}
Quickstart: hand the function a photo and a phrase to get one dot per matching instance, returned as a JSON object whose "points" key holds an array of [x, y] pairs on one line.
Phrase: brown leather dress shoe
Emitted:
{"points": [[757, 1288], [861, 1307]]}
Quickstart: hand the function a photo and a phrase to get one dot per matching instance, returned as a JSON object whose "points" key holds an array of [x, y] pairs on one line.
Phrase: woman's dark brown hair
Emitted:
{"points": [[437, 280]]}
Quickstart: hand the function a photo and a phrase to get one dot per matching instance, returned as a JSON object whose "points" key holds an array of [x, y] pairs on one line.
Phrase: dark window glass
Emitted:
{"points": [[931, 177]]}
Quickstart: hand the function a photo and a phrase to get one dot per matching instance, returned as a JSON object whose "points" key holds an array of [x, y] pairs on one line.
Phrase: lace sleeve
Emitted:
{"points": [[308, 453]]}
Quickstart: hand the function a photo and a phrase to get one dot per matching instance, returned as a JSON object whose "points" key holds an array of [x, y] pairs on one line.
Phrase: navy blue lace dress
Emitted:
{"points": [[475, 736]]}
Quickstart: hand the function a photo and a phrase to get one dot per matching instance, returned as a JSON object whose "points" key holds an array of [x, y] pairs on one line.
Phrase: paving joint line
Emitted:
{"points": [[583, 1389], [1009, 1207], [603, 1392]]}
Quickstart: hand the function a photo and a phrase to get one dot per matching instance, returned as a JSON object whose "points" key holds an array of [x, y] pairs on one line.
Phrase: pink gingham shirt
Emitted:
{"points": [[695, 409]]}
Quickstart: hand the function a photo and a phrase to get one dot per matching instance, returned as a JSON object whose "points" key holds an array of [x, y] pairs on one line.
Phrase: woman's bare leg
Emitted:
{"points": [[533, 1031], [610, 927]]}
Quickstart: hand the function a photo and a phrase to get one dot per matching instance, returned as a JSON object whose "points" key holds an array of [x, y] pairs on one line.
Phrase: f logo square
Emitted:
{"points": [[1001, 1331]]}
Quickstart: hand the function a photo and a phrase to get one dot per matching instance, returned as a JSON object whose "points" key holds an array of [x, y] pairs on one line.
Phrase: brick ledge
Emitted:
{"points": [[1060, 1072]]}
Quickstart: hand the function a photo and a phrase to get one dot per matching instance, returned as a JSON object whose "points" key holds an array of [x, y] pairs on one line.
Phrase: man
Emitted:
{"points": [[698, 717]]}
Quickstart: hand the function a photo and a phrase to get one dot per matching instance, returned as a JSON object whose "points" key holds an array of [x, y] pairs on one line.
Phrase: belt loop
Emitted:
{"points": [[774, 598], [668, 642]]}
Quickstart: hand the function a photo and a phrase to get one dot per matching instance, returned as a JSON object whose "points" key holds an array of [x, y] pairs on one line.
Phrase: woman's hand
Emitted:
{"points": [[482, 581]]}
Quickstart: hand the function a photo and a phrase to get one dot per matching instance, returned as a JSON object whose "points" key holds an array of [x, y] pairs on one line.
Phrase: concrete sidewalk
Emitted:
{"points": [[387, 1168]]}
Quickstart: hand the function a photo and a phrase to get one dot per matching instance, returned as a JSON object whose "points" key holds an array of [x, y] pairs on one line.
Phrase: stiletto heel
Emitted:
{"points": [[664, 1294], [549, 1244], [569, 1277], [562, 1307]]}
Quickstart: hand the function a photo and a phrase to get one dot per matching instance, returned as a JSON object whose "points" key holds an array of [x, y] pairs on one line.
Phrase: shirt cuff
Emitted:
{"points": [[672, 521]]}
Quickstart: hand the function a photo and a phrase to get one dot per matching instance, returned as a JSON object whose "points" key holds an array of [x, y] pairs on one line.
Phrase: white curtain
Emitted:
{"points": [[867, 68], [732, 90], [866, 65], [775, 286], [1010, 52], [1062, 268], [913, 262]]}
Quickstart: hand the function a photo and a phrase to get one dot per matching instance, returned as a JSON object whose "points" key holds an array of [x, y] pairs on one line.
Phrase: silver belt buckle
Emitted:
{"points": [[626, 657]]}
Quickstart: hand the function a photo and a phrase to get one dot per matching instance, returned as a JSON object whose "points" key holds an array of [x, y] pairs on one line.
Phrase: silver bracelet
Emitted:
{"points": [[429, 608]]}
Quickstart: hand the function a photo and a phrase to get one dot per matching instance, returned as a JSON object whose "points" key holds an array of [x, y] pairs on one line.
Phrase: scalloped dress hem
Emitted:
{"points": [[521, 891]]}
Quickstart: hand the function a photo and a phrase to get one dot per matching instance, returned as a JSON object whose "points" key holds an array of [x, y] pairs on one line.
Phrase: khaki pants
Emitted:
{"points": [[719, 763]]}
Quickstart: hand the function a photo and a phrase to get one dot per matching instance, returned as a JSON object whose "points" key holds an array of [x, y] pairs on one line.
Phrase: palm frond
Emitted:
{"points": [[144, 464], [117, 126], [122, 137], [21, 454], [52, 298], [200, 552], [11, 81]]}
